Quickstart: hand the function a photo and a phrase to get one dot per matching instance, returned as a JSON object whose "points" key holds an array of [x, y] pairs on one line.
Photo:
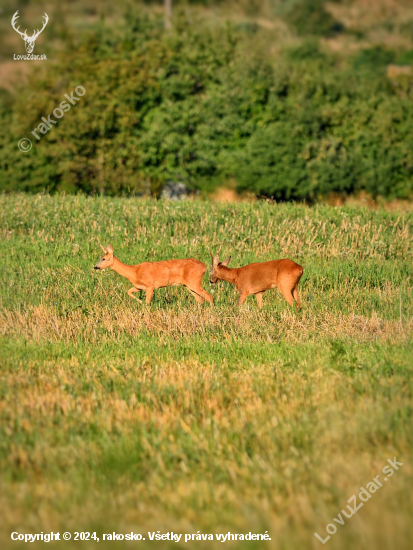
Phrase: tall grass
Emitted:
{"points": [[116, 416]]}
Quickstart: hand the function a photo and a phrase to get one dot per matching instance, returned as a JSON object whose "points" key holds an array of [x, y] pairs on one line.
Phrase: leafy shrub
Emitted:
{"points": [[308, 50], [311, 17], [405, 58], [202, 105], [374, 58]]}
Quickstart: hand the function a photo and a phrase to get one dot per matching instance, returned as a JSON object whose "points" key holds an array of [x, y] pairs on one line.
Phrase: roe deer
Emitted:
{"points": [[150, 275], [258, 277]]}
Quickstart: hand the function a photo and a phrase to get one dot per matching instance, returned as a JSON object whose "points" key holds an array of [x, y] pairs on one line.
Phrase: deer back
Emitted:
{"points": [[170, 272], [267, 275]]}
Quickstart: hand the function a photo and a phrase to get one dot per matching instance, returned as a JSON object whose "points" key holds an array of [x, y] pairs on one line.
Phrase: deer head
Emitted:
{"points": [[107, 260], [216, 264], [28, 40]]}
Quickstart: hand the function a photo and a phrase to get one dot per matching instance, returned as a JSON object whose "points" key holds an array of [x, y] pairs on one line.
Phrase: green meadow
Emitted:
{"points": [[118, 416]]}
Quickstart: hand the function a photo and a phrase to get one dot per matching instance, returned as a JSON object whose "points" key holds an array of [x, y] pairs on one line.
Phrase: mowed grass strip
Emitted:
{"points": [[115, 416]]}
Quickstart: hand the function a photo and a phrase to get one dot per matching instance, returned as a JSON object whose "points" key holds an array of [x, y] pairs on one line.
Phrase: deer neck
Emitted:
{"points": [[127, 271], [227, 274]]}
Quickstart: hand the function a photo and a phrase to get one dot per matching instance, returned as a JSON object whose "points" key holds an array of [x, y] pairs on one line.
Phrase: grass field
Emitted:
{"points": [[117, 416]]}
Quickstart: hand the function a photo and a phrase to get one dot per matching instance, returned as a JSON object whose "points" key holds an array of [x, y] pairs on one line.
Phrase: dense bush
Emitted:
{"points": [[311, 17], [203, 105], [374, 59]]}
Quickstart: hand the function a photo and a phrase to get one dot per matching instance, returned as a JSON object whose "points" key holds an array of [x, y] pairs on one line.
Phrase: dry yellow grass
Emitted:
{"points": [[41, 323]]}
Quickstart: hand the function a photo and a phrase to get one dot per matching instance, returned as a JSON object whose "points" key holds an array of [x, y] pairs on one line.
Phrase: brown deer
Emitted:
{"points": [[150, 275], [258, 277]]}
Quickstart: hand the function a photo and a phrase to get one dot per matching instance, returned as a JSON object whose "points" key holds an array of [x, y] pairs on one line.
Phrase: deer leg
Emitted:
{"points": [[131, 291], [296, 297], [206, 296], [197, 297], [202, 294], [242, 298], [149, 294], [287, 291], [258, 296]]}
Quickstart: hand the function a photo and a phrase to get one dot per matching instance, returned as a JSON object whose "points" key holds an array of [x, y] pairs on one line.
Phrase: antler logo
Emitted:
{"points": [[28, 40]]}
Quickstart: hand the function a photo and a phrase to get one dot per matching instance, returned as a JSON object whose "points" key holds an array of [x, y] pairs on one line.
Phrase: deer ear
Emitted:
{"points": [[226, 262], [110, 249], [104, 249], [215, 260]]}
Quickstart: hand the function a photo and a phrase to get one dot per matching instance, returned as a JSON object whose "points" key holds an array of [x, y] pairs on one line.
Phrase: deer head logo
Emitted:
{"points": [[28, 40]]}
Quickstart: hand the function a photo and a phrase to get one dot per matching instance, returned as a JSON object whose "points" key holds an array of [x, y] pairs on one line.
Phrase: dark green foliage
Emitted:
{"points": [[405, 58], [311, 17], [203, 104], [374, 58], [308, 51]]}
